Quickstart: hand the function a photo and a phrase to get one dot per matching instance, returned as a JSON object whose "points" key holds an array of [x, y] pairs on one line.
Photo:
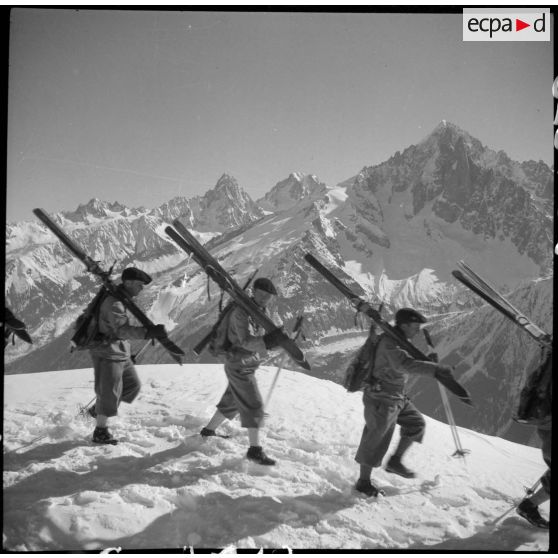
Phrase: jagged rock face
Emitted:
{"points": [[225, 207], [96, 209], [292, 191], [177, 208], [453, 177]]}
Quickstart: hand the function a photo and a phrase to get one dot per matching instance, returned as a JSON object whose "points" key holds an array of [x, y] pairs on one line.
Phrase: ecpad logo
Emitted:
{"points": [[495, 24], [532, 24]]}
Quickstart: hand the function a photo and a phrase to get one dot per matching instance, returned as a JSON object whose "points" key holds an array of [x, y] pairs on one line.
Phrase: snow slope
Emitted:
{"points": [[164, 487]]}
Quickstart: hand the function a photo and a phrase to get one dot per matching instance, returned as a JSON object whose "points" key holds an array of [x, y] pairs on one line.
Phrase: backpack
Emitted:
{"points": [[86, 327], [361, 368], [535, 399], [219, 342]]}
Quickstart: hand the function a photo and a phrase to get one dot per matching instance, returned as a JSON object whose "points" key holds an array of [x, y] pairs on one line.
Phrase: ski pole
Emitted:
{"points": [[459, 451], [297, 331], [83, 408]]}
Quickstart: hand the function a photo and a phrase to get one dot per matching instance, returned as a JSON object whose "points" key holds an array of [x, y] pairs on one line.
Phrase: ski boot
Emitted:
{"points": [[257, 455], [207, 432], [101, 435], [530, 512], [395, 466], [367, 488]]}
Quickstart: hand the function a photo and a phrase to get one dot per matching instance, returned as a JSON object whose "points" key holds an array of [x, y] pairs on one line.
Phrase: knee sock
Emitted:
{"points": [[404, 445], [365, 472]]}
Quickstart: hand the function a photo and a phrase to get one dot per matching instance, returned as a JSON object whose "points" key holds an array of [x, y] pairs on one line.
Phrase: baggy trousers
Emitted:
{"points": [[115, 381], [242, 396], [381, 415]]}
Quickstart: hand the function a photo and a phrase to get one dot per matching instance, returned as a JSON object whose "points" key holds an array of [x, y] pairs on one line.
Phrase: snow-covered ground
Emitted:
{"points": [[164, 487]]}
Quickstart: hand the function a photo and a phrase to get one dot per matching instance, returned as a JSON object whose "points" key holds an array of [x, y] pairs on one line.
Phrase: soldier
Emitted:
{"points": [[386, 403], [246, 344], [116, 378]]}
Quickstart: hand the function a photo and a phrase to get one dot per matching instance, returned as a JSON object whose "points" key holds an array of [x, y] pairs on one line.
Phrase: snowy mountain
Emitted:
{"points": [[164, 487], [288, 193], [224, 207], [449, 198], [393, 233]]}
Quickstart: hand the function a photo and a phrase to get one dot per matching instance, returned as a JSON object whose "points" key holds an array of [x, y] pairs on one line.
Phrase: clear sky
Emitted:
{"points": [[141, 106]]}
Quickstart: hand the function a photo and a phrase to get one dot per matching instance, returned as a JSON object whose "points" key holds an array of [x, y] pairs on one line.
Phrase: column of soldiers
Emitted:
{"points": [[385, 397]]}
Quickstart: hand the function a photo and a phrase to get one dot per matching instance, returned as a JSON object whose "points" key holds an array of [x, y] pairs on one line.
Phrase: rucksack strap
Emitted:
{"points": [[370, 377]]}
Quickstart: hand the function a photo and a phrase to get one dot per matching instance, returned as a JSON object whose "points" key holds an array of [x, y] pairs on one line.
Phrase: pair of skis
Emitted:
{"points": [[93, 267], [487, 292], [198, 349], [363, 306], [190, 244]]}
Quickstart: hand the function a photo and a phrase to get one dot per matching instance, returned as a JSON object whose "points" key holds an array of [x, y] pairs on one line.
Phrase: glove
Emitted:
{"points": [[445, 376], [272, 338], [156, 332], [433, 357]]}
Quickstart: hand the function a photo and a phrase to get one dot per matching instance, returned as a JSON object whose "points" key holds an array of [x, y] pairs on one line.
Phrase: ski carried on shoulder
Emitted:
{"points": [[198, 349], [93, 267], [362, 306], [188, 242], [479, 286]]}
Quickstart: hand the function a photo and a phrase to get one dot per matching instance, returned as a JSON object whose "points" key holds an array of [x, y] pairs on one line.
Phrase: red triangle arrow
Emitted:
{"points": [[519, 24]]}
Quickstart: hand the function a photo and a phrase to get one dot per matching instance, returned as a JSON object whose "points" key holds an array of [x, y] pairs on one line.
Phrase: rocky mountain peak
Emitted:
{"points": [[227, 182], [227, 187], [295, 188], [96, 209], [451, 179], [176, 208], [225, 206], [447, 136]]}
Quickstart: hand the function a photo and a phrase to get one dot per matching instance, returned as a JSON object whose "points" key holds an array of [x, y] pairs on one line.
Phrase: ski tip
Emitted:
{"points": [[467, 401], [22, 334], [40, 214], [305, 364]]}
